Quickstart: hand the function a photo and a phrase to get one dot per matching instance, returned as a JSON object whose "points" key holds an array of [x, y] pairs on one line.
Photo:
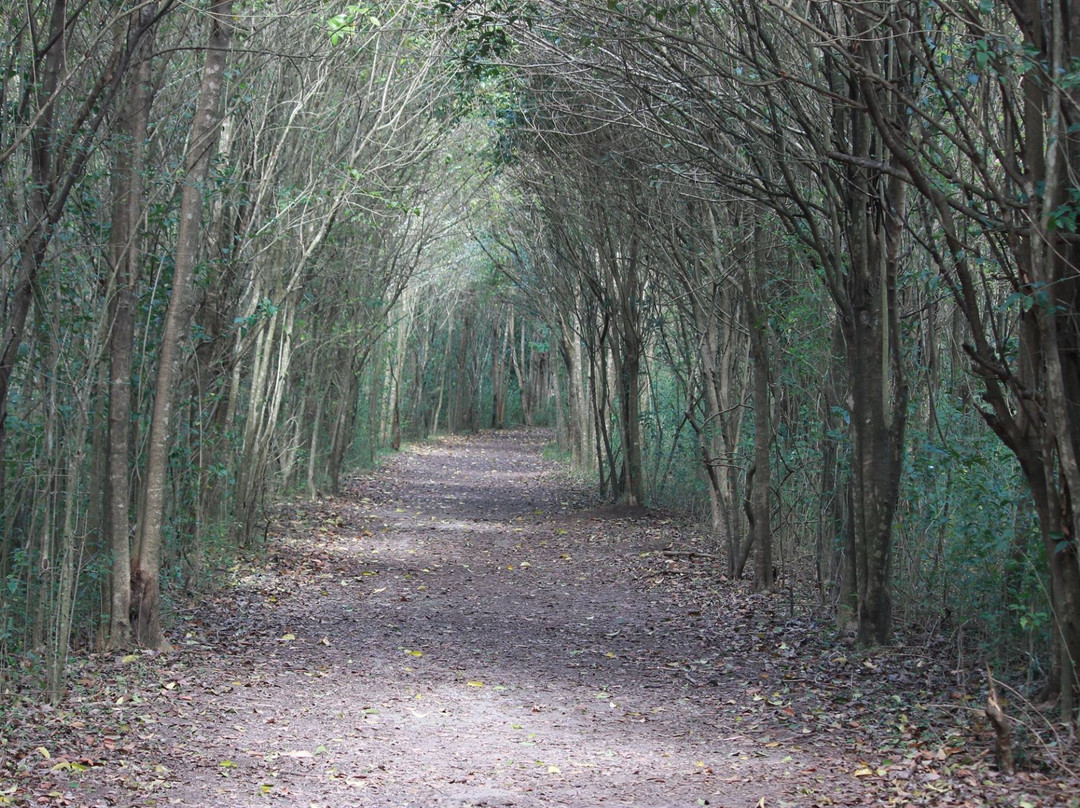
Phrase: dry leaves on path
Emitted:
{"points": [[467, 627]]}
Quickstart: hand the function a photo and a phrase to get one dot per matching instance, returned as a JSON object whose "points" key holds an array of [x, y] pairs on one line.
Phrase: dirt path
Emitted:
{"points": [[463, 638], [461, 629]]}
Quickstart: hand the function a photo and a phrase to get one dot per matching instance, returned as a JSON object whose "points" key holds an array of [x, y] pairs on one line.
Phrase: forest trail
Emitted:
{"points": [[464, 637], [463, 628]]}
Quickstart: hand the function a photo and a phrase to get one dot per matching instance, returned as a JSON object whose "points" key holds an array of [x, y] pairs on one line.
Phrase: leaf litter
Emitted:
{"points": [[466, 626]]}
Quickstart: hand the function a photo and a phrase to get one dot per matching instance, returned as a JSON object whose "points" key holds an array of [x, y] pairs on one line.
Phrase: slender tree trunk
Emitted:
{"points": [[498, 365], [832, 527], [721, 349], [629, 375], [123, 236], [146, 565], [341, 434], [70, 549], [382, 377], [759, 494], [313, 450], [518, 361], [249, 473], [577, 417], [39, 232], [598, 392], [879, 409], [398, 366], [444, 370], [624, 289], [463, 392]]}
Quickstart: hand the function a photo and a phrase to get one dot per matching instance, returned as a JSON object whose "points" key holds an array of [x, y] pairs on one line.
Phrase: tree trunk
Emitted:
{"points": [[35, 242], [126, 215], [832, 548], [313, 444], [879, 405], [520, 366], [341, 436], [759, 494], [498, 376], [444, 369], [624, 290], [146, 564], [575, 395]]}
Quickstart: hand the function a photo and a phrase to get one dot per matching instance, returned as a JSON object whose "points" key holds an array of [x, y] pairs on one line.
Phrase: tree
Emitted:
{"points": [[146, 561], [127, 211], [995, 156]]}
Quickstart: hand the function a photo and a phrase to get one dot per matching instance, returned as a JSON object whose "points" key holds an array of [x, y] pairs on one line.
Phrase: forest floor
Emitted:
{"points": [[466, 627]]}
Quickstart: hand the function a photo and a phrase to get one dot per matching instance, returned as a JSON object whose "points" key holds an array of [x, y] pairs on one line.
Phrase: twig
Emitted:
{"points": [[1062, 743], [687, 554], [1003, 728]]}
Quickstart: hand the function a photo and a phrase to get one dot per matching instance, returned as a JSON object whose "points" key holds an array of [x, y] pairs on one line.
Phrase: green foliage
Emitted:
{"points": [[484, 31], [1066, 216], [967, 542], [551, 451], [356, 17], [264, 310]]}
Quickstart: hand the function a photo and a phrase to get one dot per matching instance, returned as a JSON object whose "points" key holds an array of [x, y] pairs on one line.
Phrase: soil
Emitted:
{"points": [[467, 627]]}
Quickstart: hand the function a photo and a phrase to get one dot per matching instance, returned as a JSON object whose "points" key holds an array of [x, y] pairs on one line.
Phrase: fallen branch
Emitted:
{"points": [[688, 554]]}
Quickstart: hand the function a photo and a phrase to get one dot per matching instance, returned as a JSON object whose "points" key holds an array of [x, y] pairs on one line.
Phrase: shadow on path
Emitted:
{"points": [[456, 631]]}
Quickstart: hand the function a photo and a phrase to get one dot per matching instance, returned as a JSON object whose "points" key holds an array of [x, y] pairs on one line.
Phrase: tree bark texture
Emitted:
{"points": [[146, 565], [123, 238], [761, 487]]}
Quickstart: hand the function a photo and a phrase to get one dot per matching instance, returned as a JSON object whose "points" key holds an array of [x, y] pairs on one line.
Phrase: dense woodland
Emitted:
{"points": [[808, 271]]}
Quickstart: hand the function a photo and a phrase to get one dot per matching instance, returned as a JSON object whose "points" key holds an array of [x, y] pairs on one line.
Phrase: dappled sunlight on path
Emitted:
{"points": [[464, 627], [453, 634]]}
